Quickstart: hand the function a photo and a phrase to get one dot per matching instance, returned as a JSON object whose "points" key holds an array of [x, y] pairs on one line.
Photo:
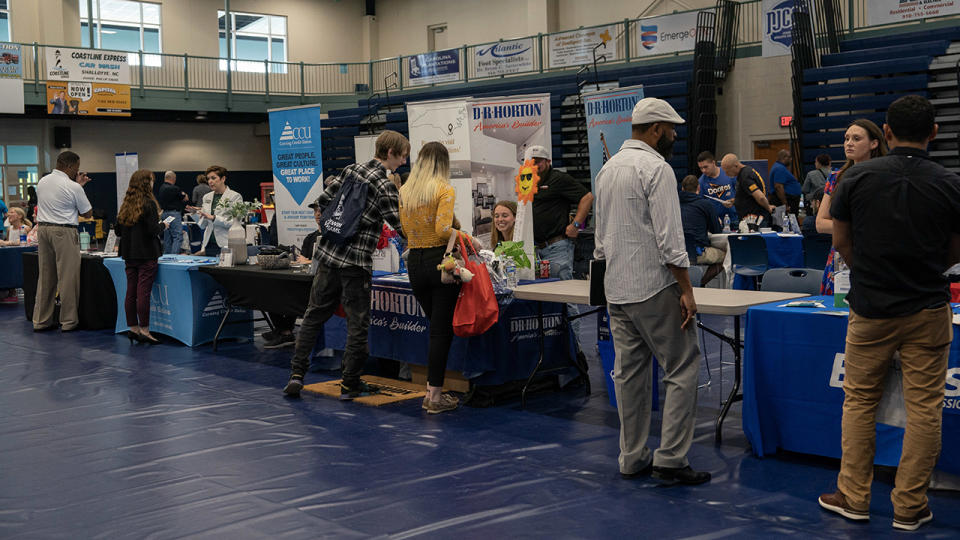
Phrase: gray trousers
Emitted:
{"points": [[641, 330], [59, 268]]}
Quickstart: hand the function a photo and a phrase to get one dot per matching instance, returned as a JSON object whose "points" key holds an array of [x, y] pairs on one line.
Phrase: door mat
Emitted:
{"points": [[391, 390]]}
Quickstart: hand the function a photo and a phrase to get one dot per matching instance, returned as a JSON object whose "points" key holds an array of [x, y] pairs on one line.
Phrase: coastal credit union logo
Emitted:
{"points": [[504, 50], [648, 36], [295, 135], [778, 25]]}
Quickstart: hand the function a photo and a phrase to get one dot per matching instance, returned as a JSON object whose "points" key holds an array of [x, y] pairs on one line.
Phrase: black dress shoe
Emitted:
{"points": [[669, 476], [45, 328], [639, 474]]}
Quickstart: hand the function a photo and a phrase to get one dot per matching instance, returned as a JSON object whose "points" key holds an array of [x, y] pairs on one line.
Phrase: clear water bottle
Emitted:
{"points": [[510, 270], [23, 235], [726, 223]]}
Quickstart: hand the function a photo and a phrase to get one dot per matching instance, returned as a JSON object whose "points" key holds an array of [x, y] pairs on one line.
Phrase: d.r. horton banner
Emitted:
{"points": [[576, 46], [88, 99], [894, 11], [609, 116], [297, 170]]}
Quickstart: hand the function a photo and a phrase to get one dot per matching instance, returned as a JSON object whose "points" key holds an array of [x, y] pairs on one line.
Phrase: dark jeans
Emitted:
{"points": [[438, 302], [140, 276], [213, 248], [349, 286]]}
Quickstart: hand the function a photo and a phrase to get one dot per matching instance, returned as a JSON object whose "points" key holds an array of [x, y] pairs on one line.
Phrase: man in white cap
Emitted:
{"points": [[649, 296]]}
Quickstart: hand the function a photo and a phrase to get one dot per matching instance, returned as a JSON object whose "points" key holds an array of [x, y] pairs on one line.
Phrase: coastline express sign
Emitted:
{"points": [[88, 98], [87, 65]]}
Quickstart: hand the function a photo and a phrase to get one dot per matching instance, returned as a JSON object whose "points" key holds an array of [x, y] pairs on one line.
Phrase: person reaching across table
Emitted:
{"points": [[426, 212], [785, 184], [649, 297], [863, 140], [504, 218], [896, 221], [750, 199], [138, 229]]}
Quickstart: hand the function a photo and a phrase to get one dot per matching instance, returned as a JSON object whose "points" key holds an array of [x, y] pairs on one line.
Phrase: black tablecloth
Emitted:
{"points": [[98, 299], [275, 291]]}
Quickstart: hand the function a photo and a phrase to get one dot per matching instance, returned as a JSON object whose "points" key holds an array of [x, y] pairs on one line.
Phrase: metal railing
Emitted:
{"points": [[187, 73]]}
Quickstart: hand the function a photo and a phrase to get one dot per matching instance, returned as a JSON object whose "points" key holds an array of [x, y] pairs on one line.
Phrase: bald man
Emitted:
{"points": [[172, 201], [750, 201]]}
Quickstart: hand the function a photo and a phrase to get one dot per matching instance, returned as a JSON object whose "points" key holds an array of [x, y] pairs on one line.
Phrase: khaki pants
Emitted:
{"points": [[59, 260], [923, 340], [641, 331]]}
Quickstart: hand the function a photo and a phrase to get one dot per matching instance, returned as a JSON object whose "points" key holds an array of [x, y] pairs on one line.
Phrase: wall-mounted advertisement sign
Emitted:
{"points": [[87, 65], [667, 34], [434, 67], [575, 47], [503, 58], [88, 99]]}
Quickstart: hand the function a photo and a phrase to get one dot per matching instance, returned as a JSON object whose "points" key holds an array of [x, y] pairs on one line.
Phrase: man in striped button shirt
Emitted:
{"points": [[649, 296]]}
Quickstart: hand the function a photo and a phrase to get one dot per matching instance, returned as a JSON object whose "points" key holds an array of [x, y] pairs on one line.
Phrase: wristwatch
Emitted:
{"points": [[579, 225]]}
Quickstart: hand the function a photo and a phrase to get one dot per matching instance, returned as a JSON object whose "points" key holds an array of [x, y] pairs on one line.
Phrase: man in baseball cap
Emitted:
{"points": [[649, 297]]}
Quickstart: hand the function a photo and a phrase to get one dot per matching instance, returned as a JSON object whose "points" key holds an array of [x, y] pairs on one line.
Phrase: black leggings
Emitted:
{"points": [[438, 302]]}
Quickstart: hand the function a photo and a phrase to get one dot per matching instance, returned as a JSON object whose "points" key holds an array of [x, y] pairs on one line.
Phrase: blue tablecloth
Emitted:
{"points": [[11, 266], [793, 392], [507, 352], [185, 304], [782, 252]]}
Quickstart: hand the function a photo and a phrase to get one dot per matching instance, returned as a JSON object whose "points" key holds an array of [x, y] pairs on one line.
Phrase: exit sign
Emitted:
{"points": [[785, 121]]}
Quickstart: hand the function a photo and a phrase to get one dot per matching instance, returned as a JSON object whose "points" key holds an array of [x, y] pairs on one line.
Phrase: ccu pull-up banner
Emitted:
{"points": [[609, 115], [297, 170]]}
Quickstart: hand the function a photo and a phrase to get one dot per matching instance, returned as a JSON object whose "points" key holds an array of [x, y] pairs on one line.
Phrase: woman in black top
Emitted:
{"points": [[139, 228], [32, 204]]}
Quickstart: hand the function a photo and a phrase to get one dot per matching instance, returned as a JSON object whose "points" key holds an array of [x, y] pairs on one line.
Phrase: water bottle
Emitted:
{"points": [[84, 241], [726, 223], [23, 235], [511, 271]]}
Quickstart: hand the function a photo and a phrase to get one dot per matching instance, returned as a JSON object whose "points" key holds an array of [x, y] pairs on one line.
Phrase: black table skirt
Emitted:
{"points": [[284, 292], [98, 298]]}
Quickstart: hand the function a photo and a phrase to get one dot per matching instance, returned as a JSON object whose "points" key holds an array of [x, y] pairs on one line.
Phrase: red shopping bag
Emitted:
{"points": [[477, 308]]}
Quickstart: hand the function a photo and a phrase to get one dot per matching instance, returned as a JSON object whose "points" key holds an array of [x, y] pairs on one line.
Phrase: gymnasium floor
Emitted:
{"points": [[101, 439]]}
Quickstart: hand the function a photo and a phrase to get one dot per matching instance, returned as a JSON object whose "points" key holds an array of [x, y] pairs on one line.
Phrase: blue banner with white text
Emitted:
{"points": [[434, 67], [609, 115], [297, 170]]}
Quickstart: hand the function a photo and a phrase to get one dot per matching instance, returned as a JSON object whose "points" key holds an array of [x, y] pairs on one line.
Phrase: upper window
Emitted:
{"points": [[255, 38], [4, 20], [123, 25]]}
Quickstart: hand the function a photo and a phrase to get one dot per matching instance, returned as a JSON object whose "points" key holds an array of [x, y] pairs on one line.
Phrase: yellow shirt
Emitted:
{"points": [[430, 225]]}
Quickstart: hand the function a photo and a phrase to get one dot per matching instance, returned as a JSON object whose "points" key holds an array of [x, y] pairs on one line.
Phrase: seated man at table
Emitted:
{"points": [[809, 226], [282, 334], [698, 218], [899, 301]]}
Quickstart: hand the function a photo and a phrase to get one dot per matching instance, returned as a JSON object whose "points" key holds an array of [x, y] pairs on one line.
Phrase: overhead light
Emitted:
{"points": [[108, 31]]}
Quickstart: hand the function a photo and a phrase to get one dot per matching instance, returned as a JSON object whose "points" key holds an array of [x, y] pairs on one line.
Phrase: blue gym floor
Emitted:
{"points": [[103, 439]]}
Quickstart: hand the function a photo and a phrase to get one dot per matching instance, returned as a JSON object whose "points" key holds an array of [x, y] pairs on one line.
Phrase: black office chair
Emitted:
{"points": [[798, 280], [816, 250]]}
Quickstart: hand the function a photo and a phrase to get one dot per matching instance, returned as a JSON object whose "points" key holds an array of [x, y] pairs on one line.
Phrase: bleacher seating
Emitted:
{"points": [[863, 79], [669, 81]]}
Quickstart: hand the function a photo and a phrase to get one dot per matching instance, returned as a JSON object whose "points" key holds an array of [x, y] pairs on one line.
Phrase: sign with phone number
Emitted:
{"points": [[88, 98]]}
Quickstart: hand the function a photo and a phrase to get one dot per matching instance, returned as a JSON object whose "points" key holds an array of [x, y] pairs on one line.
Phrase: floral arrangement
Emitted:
{"points": [[238, 210]]}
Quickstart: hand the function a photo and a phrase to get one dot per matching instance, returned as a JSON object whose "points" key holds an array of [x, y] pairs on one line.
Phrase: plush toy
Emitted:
{"points": [[452, 270]]}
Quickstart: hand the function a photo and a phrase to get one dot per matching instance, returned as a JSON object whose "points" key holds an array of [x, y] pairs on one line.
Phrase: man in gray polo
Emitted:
{"points": [[649, 296], [60, 200]]}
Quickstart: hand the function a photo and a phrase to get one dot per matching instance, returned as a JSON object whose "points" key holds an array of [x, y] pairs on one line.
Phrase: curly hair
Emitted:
{"points": [[139, 194]]}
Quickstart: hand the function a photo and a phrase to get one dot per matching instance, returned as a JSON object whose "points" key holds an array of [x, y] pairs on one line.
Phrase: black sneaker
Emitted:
{"points": [[282, 340], [669, 476], [294, 385], [357, 389], [269, 335]]}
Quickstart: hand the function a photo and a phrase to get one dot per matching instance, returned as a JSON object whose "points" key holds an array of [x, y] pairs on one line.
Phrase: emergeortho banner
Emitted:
{"points": [[667, 34]]}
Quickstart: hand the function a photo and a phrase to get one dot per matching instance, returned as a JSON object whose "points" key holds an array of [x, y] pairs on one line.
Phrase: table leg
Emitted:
{"points": [[220, 328], [540, 343], [734, 392]]}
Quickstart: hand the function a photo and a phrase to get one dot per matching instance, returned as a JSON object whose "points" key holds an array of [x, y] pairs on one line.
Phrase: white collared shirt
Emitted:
{"points": [[638, 228], [60, 200]]}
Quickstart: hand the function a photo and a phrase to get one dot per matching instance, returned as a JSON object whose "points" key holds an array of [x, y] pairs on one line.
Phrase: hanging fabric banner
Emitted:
{"points": [[127, 164], [609, 116], [297, 170], [11, 79]]}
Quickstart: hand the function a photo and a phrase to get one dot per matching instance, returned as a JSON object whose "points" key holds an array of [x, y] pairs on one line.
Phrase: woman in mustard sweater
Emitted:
{"points": [[426, 213]]}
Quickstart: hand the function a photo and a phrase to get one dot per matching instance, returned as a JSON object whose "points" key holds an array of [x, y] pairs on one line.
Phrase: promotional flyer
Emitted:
{"points": [[297, 170], [88, 99]]}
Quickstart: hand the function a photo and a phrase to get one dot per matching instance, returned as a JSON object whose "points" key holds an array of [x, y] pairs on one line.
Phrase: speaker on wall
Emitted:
{"points": [[61, 136]]}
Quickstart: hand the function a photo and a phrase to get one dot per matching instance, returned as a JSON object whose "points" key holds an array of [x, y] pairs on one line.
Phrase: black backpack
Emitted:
{"points": [[339, 220]]}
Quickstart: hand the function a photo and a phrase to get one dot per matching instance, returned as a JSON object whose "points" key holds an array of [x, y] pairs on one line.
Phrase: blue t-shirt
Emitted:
{"points": [[722, 187], [779, 174]]}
